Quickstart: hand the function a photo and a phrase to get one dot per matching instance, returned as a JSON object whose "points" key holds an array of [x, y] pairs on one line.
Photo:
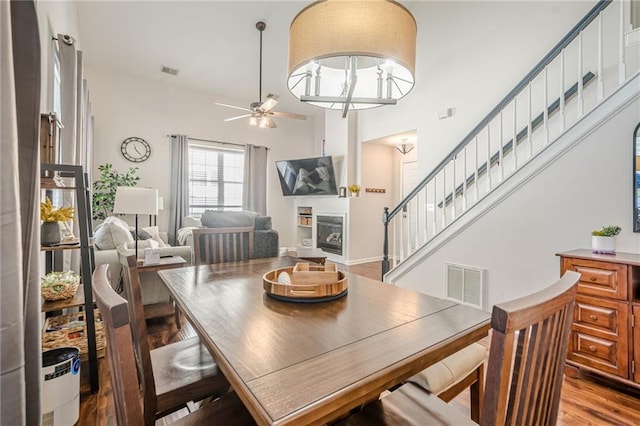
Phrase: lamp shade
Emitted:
{"points": [[135, 200], [352, 53]]}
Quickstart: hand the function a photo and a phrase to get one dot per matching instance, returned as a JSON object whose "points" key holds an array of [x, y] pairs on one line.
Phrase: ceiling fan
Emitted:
{"points": [[261, 113]]}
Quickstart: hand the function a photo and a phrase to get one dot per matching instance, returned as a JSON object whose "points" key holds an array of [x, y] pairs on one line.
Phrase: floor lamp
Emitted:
{"points": [[160, 207], [134, 200]]}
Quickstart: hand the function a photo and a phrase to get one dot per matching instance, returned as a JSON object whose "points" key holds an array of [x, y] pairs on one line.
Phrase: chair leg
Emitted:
{"points": [[477, 394], [176, 314]]}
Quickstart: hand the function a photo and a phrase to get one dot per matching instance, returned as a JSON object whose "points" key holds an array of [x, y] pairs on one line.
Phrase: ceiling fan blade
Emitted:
{"points": [[288, 115], [269, 104], [237, 117], [270, 123], [233, 106]]}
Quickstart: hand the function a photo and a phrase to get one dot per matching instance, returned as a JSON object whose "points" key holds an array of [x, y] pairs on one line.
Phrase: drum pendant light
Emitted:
{"points": [[352, 54]]}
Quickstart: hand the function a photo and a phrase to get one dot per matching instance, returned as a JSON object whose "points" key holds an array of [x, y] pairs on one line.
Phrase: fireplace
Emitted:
{"points": [[329, 233]]}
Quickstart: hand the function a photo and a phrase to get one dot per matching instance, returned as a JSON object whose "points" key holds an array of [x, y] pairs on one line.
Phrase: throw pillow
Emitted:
{"points": [[111, 233], [154, 232], [188, 221], [263, 223], [142, 234]]}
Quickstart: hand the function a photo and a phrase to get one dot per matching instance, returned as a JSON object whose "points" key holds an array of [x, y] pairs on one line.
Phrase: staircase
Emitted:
{"points": [[574, 89]]}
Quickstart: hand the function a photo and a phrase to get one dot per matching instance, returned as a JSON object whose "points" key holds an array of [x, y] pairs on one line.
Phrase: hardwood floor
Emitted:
{"points": [[587, 400]]}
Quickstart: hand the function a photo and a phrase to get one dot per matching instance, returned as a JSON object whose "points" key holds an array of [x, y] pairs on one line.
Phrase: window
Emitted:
{"points": [[215, 178]]}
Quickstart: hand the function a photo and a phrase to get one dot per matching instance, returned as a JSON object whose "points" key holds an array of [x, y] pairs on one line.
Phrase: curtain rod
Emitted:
{"points": [[209, 140]]}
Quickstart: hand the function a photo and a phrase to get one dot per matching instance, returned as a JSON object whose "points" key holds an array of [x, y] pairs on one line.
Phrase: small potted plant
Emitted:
{"points": [[603, 240], [355, 190], [59, 285], [51, 217]]}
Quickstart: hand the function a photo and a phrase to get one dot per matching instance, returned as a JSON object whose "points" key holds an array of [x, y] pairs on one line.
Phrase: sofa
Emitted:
{"points": [[265, 239], [113, 241]]}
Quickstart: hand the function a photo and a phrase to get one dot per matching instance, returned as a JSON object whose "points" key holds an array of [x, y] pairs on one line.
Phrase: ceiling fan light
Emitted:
{"points": [[356, 43], [263, 122], [253, 121]]}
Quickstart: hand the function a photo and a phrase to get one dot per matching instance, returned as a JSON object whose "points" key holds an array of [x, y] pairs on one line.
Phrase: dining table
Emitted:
{"points": [[294, 362]]}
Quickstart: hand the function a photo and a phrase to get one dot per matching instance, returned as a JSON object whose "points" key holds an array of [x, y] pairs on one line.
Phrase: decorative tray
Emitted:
{"points": [[306, 283]]}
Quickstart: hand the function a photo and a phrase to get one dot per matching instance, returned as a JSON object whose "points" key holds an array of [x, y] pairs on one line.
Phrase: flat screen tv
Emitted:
{"points": [[307, 176]]}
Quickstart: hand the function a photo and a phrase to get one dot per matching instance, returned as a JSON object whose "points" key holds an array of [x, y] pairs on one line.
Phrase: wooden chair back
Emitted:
{"points": [[124, 378], [218, 245], [140, 343], [527, 355]]}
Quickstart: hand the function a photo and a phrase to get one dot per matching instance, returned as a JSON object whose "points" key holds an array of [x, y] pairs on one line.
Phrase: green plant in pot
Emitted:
{"points": [[603, 240], [104, 189]]}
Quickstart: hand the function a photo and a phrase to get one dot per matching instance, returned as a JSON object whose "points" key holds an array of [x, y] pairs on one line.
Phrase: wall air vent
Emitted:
{"points": [[167, 70], [465, 284]]}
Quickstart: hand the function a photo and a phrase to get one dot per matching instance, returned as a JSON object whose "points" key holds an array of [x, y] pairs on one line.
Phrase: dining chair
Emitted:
{"points": [[173, 374], [129, 406], [217, 245], [450, 377], [528, 349]]}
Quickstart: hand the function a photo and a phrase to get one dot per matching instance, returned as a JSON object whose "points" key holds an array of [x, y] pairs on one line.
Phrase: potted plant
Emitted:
{"points": [[51, 217], [355, 190], [104, 189], [604, 240]]}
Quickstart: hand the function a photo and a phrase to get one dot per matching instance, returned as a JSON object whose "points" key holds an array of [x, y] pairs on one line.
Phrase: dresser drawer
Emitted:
{"points": [[606, 316], [603, 354], [601, 279]]}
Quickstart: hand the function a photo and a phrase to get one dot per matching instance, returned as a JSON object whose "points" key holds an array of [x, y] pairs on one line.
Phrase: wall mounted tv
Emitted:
{"points": [[307, 176]]}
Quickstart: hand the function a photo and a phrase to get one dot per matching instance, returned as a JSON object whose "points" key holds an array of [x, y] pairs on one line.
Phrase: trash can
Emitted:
{"points": [[61, 386]]}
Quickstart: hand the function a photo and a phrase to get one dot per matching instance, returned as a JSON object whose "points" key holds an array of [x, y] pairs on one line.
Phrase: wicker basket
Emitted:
{"points": [[59, 286], [70, 330], [59, 291]]}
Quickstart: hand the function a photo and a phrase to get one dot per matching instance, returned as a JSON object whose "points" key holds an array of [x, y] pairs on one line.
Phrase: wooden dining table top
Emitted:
{"points": [[309, 363]]}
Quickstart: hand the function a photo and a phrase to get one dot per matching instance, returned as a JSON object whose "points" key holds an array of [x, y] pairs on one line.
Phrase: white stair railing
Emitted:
{"points": [[585, 67]]}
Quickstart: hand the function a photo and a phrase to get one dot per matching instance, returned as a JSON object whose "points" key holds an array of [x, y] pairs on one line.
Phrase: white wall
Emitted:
{"points": [[365, 220], [152, 109], [587, 188], [470, 55]]}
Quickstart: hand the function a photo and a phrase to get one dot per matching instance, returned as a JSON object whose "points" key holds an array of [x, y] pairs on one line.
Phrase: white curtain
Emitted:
{"points": [[76, 119], [254, 197], [179, 194], [20, 347]]}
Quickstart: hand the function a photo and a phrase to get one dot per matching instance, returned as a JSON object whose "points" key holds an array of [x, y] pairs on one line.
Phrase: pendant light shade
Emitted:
{"points": [[352, 54]]}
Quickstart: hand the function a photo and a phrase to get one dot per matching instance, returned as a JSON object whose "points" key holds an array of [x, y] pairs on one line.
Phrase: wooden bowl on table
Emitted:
{"points": [[305, 283]]}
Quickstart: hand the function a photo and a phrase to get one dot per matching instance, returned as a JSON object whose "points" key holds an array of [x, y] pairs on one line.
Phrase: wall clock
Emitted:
{"points": [[135, 149]]}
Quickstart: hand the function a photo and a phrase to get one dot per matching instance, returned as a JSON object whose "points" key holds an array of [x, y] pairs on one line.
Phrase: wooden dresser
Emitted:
{"points": [[603, 337]]}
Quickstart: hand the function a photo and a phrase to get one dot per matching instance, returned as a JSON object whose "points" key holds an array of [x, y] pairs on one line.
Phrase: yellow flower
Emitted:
{"points": [[354, 188], [48, 213]]}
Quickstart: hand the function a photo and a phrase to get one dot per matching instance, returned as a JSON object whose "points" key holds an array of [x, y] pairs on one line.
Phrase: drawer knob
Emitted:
{"points": [[592, 278], [592, 348], [593, 317]]}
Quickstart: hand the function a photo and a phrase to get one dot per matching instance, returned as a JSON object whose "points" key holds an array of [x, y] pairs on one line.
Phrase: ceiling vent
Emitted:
{"points": [[167, 70]]}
